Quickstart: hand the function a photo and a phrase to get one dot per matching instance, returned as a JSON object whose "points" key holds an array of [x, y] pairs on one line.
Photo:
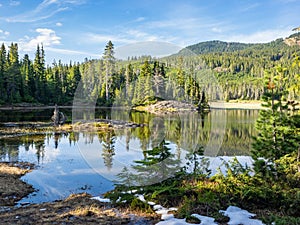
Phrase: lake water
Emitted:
{"points": [[89, 161]]}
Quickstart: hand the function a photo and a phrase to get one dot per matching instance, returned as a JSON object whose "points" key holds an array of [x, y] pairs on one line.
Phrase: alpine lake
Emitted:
{"points": [[92, 161]]}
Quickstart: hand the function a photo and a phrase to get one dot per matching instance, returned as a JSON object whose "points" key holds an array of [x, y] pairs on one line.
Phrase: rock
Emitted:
{"points": [[170, 106]]}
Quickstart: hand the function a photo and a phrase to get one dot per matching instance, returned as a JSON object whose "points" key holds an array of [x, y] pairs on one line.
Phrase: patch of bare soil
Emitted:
{"points": [[12, 189], [76, 209]]}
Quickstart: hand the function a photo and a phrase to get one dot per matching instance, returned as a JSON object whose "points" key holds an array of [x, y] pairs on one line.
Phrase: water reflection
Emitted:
{"points": [[184, 131], [88, 160]]}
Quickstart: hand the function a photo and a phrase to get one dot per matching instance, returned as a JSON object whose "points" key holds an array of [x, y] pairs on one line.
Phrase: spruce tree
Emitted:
{"points": [[276, 126], [39, 75], [27, 79], [13, 75], [109, 61], [2, 72]]}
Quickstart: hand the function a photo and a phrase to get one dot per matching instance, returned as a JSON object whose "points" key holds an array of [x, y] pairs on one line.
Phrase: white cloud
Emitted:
{"points": [[136, 33], [188, 26], [140, 19], [14, 3], [250, 7], [47, 37], [44, 10], [0, 5], [3, 34], [127, 36], [216, 30], [261, 36], [59, 24], [34, 16]]}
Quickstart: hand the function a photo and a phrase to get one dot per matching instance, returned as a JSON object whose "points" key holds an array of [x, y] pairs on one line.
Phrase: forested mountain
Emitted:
{"points": [[240, 68], [220, 69], [215, 46]]}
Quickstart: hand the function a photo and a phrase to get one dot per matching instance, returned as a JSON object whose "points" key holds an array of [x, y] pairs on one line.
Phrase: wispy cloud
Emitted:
{"points": [[58, 24], [70, 52], [250, 7], [190, 25], [45, 36], [128, 36], [139, 19], [14, 3], [44, 10], [3, 35], [6, 33], [260, 36]]}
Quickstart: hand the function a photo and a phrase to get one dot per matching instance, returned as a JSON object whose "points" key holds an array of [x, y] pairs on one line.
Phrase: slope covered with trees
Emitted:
{"points": [[240, 67], [231, 71]]}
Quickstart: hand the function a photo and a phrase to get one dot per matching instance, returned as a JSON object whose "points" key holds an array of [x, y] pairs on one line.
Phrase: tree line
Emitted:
{"points": [[32, 81], [230, 74]]}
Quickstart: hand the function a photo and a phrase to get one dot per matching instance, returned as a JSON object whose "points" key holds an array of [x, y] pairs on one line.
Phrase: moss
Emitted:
{"points": [[193, 220], [137, 204]]}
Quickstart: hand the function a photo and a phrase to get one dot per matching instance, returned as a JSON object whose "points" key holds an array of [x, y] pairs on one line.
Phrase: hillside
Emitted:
{"points": [[240, 67], [217, 46]]}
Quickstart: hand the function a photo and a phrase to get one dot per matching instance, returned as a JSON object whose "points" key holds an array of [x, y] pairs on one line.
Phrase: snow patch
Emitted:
{"points": [[239, 216], [205, 220], [141, 197], [101, 199]]}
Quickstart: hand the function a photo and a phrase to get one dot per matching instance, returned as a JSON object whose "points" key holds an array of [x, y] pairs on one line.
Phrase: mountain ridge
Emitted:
{"points": [[218, 46]]}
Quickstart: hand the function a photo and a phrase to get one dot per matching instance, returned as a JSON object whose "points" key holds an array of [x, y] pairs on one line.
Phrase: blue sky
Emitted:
{"points": [[78, 29]]}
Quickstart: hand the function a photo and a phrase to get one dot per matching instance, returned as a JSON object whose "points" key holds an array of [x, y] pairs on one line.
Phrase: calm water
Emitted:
{"points": [[90, 161]]}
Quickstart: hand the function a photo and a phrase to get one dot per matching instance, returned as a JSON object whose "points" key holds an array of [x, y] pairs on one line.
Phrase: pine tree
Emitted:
{"points": [[109, 61], [73, 79], [27, 79], [2, 72], [13, 76], [39, 75], [146, 77], [276, 126]]}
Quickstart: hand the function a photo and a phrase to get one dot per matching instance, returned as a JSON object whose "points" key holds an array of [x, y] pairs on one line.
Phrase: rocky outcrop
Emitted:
{"points": [[292, 41], [167, 107]]}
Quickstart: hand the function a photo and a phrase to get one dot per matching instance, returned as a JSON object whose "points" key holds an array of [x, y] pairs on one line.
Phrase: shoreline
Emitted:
{"points": [[236, 105], [213, 105], [81, 208]]}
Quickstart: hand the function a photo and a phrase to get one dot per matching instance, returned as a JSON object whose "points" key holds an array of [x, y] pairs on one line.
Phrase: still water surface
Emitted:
{"points": [[87, 161]]}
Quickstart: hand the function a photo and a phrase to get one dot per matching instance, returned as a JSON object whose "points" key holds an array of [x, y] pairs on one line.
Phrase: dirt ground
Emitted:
{"points": [[76, 209], [12, 189]]}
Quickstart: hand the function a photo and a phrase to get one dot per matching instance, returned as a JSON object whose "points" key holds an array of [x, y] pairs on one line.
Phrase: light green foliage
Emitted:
{"points": [[277, 125]]}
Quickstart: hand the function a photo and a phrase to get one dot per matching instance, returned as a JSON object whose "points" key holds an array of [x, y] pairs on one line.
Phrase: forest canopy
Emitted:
{"points": [[237, 68]]}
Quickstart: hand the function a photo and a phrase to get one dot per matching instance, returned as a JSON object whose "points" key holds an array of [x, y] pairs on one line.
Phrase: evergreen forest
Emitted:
{"points": [[236, 68]]}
